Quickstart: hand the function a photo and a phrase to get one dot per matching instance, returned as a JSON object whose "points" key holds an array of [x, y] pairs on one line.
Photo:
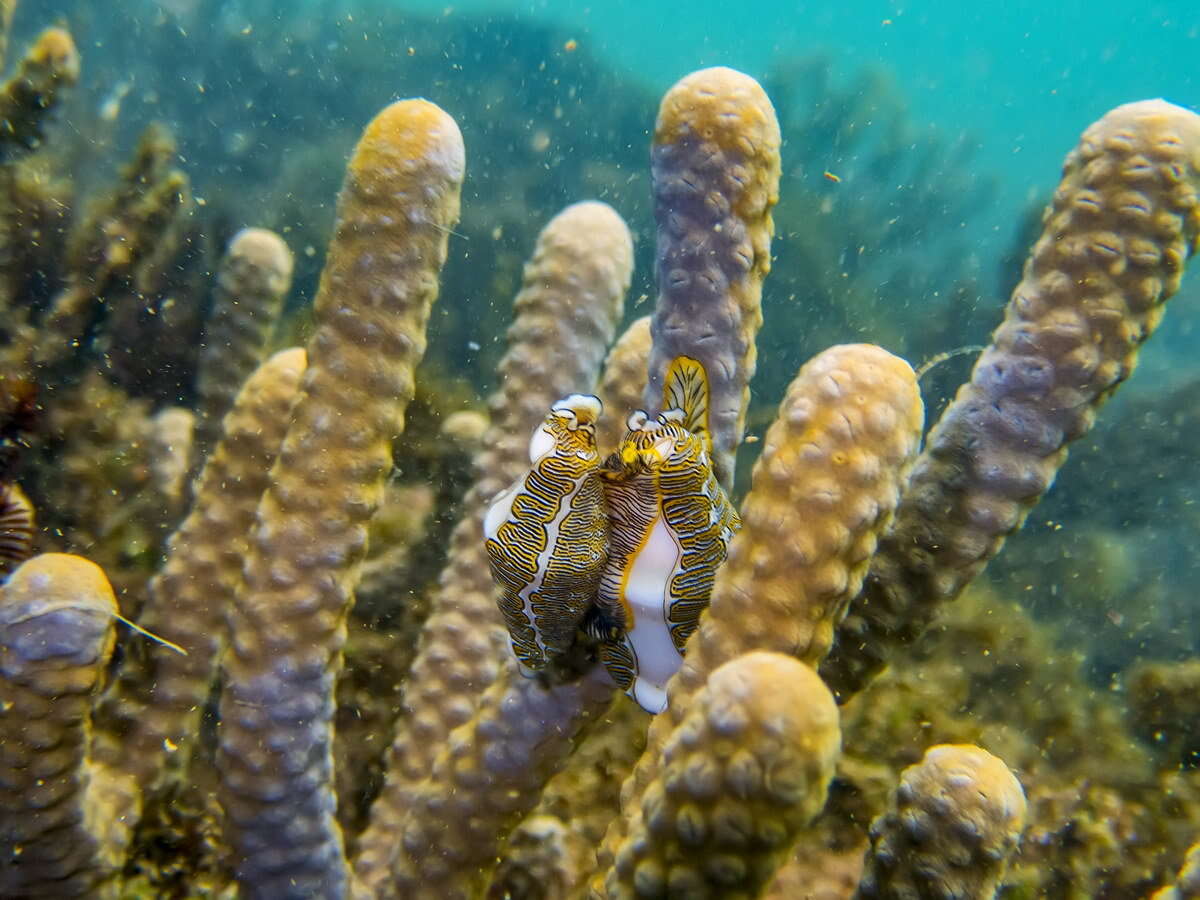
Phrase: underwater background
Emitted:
{"points": [[919, 146]]}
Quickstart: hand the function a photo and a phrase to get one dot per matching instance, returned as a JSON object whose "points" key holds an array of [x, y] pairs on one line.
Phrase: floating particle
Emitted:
{"points": [[829, 176], [110, 108], [571, 46]]}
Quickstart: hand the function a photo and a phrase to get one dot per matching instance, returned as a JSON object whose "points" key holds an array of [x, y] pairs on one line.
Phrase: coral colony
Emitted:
{"points": [[205, 761]]}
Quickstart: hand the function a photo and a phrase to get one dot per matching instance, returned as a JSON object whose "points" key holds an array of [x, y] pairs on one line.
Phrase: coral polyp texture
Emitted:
{"points": [[255, 276], [565, 314], [1122, 225], [715, 165], [461, 773], [746, 769], [187, 599], [57, 630], [951, 826], [623, 381], [825, 486], [287, 622]]}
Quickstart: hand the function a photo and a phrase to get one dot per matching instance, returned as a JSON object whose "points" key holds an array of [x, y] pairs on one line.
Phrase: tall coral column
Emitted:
{"points": [[398, 204], [823, 490], [716, 166], [160, 696], [570, 301], [64, 821], [745, 771], [254, 278], [1123, 223]]}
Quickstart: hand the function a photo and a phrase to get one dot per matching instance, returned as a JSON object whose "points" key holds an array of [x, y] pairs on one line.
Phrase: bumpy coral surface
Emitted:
{"points": [[744, 772], [102, 454], [716, 178], [952, 824], [1124, 221]]}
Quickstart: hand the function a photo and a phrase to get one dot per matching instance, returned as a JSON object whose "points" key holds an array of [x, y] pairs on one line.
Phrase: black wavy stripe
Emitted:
{"points": [[16, 528]]}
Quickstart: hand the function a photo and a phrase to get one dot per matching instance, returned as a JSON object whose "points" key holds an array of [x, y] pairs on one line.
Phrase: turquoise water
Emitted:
{"points": [[1022, 78]]}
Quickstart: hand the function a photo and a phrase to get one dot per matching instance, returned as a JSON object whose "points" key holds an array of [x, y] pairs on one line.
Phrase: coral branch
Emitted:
{"points": [[824, 489], [398, 204], [576, 806], [255, 276], [565, 315], [949, 830], [27, 98], [622, 383], [189, 597], [1123, 223], [106, 251], [489, 776], [63, 821], [716, 169], [744, 772]]}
